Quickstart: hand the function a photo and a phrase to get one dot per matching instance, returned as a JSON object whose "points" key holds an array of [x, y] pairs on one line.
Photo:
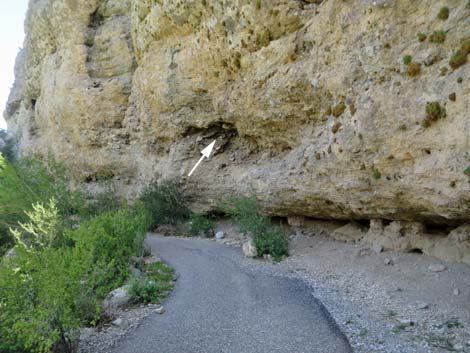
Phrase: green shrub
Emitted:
{"points": [[199, 224], [422, 36], [376, 174], [443, 13], [272, 241], [30, 181], [43, 230], [109, 240], [267, 238], [59, 276], [154, 285], [437, 37], [467, 171], [457, 59], [434, 112], [407, 59], [165, 202], [38, 301], [51, 289]]}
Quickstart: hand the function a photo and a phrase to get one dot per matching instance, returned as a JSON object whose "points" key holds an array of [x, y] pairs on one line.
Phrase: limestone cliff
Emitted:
{"points": [[310, 101]]}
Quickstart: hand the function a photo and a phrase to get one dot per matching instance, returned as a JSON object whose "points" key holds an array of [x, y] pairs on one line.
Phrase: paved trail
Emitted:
{"points": [[222, 303]]}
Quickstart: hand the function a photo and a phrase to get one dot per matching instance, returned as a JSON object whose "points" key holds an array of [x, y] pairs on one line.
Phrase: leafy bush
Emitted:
{"points": [[267, 238], [109, 240], [43, 229], [156, 283], [199, 224], [37, 297], [50, 288], [165, 202], [272, 241], [30, 181]]}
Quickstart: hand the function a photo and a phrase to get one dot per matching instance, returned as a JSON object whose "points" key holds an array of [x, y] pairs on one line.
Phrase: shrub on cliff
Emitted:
{"points": [[267, 237]]}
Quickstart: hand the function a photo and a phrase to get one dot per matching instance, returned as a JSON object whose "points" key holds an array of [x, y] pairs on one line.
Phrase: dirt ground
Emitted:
{"points": [[384, 301]]}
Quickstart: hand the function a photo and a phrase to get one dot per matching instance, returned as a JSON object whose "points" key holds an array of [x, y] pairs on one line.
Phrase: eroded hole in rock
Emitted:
{"points": [[96, 20], [279, 220], [439, 229], [223, 132], [416, 251], [364, 223]]}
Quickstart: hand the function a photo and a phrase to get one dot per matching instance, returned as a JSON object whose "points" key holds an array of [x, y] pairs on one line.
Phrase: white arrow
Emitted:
{"points": [[206, 152]]}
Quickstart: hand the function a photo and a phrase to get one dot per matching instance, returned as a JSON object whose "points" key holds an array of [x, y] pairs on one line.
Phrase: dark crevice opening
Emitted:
{"points": [[365, 223], [96, 20], [439, 229], [223, 132], [416, 251]]}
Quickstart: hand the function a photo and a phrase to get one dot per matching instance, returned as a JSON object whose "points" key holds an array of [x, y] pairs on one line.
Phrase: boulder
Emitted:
{"points": [[249, 250], [116, 300]]}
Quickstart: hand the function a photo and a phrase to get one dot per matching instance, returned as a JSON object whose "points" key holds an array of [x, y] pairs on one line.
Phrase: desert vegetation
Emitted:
{"points": [[65, 251], [268, 238]]}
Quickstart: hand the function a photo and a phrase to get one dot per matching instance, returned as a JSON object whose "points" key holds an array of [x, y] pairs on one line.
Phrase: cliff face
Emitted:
{"points": [[310, 101]]}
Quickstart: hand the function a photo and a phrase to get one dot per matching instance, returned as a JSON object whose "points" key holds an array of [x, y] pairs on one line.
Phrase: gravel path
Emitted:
{"points": [[222, 303]]}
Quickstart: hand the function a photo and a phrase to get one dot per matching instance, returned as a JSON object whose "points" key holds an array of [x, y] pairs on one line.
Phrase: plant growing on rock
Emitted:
{"points": [[407, 59], [376, 174], [457, 59], [465, 45], [443, 13], [338, 109], [434, 112], [438, 36], [414, 69], [467, 171], [422, 36]]}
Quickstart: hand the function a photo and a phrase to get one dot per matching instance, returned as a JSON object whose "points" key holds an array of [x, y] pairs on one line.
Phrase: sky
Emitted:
{"points": [[12, 14]]}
